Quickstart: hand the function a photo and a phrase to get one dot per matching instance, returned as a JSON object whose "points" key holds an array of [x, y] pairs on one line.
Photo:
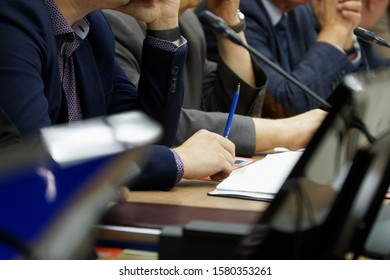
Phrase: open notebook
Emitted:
{"points": [[260, 180]]}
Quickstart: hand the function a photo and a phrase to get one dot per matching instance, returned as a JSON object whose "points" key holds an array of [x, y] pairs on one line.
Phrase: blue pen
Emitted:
{"points": [[231, 113]]}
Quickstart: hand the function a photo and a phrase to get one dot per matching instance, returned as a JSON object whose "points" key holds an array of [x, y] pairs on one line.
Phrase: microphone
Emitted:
{"points": [[217, 24], [370, 37]]}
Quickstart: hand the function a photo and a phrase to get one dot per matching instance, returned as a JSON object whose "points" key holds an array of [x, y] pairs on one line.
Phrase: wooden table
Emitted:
{"points": [[194, 193], [141, 218]]}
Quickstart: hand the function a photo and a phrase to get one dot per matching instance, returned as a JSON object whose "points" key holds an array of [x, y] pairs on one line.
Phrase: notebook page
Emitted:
{"points": [[265, 176]]}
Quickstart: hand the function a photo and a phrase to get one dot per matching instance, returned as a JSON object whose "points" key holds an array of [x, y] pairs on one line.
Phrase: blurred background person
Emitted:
{"points": [[372, 12], [382, 29], [57, 65], [285, 31]]}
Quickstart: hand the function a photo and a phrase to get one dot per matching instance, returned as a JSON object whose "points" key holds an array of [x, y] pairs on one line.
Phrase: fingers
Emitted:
{"points": [[224, 143], [229, 148], [350, 10], [219, 176], [123, 194], [351, 5]]}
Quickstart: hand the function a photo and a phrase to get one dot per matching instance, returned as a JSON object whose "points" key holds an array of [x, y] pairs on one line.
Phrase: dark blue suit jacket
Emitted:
{"points": [[31, 93], [374, 59], [319, 66]]}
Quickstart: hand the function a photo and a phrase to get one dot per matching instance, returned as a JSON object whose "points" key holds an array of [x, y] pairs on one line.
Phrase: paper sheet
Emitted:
{"points": [[264, 177]]}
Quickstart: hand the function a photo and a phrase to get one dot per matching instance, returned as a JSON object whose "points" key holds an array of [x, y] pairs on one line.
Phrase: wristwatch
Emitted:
{"points": [[241, 25], [353, 50]]}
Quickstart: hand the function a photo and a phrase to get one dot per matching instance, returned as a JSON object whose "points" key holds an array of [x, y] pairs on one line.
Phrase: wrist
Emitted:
{"points": [[172, 34], [163, 24], [333, 35], [240, 24], [353, 50]]}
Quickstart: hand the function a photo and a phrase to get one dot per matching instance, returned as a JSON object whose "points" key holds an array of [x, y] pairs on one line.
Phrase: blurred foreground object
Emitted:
{"points": [[53, 194]]}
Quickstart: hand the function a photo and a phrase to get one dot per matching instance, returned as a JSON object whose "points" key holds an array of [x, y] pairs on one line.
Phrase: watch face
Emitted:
{"points": [[241, 16]]}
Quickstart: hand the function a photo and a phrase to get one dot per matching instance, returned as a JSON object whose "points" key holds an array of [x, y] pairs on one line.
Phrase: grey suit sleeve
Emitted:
{"points": [[129, 36], [219, 84], [242, 132]]}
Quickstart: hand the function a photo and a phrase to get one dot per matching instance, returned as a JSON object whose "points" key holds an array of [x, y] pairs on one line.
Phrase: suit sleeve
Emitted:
{"points": [[321, 66], [160, 89], [193, 120], [220, 83], [22, 56], [158, 173]]}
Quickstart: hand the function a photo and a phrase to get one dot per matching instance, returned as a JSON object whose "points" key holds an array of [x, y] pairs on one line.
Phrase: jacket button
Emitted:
{"points": [[172, 89], [175, 70]]}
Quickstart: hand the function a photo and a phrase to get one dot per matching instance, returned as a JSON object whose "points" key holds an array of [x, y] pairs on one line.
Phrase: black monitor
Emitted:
{"points": [[316, 213]]}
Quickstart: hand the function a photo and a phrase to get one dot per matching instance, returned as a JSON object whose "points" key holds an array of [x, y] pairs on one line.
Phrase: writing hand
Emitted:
{"points": [[207, 154]]}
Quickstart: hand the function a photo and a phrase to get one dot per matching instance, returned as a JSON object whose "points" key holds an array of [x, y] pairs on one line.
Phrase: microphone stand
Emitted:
{"points": [[219, 25], [370, 37]]}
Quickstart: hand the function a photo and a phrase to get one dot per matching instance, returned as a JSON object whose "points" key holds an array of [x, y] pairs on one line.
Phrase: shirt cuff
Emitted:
{"points": [[180, 166], [357, 60]]}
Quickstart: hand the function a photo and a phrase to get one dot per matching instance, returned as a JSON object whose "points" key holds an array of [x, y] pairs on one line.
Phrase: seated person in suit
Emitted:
{"points": [[382, 29], [372, 11], [57, 65], [209, 86], [285, 32]]}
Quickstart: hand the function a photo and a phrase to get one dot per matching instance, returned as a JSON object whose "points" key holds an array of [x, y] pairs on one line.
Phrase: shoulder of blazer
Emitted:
{"points": [[31, 17]]}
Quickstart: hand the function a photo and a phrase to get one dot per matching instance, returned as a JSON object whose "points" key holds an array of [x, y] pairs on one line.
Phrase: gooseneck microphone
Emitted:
{"points": [[370, 37], [217, 24]]}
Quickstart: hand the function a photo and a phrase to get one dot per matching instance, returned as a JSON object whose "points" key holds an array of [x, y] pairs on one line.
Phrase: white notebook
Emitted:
{"points": [[260, 180]]}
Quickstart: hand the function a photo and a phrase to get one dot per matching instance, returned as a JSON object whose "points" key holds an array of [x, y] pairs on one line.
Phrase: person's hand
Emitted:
{"points": [[158, 15], [226, 9], [123, 194], [351, 11], [301, 128], [207, 154], [229, 51], [338, 18], [338, 13]]}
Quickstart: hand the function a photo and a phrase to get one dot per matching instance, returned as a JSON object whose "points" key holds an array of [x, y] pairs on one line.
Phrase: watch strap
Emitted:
{"points": [[241, 25]]}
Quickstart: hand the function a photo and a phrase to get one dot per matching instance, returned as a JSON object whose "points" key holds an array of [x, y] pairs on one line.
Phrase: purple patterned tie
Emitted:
{"points": [[69, 83], [67, 43]]}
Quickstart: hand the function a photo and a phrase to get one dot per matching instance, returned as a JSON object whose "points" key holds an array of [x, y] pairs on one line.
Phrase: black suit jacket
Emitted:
{"points": [[31, 92]]}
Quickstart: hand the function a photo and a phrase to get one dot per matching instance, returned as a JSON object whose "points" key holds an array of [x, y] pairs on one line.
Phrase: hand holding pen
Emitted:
{"points": [[232, 112]]}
